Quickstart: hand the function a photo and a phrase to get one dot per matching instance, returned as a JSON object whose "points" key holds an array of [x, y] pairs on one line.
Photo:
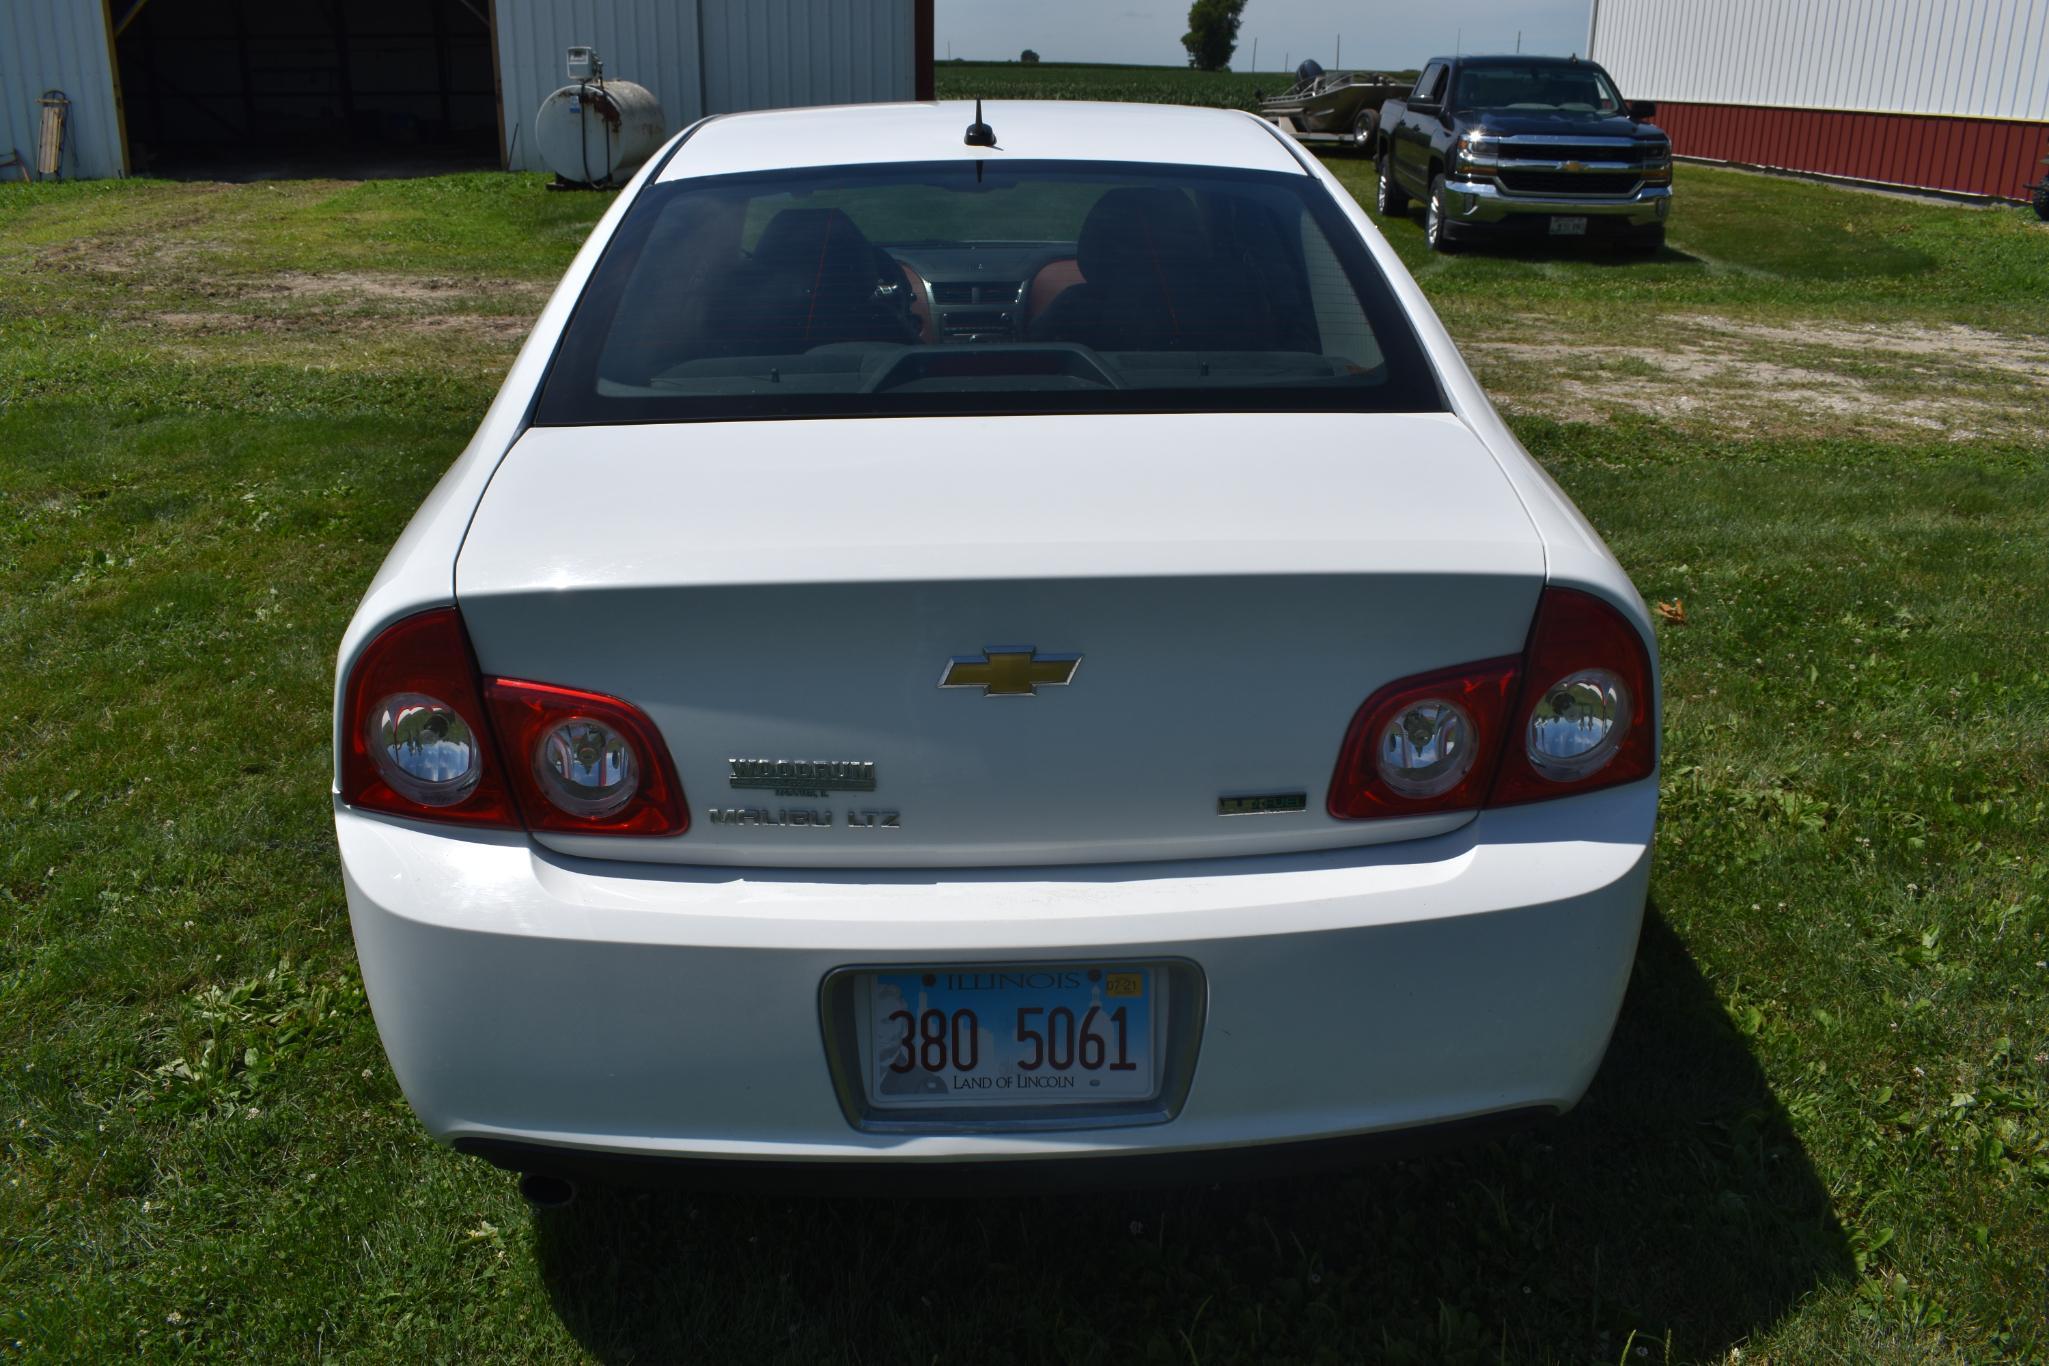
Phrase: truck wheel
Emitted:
{"points": [[1436, 230], [2042, 201], [1388, 198]]}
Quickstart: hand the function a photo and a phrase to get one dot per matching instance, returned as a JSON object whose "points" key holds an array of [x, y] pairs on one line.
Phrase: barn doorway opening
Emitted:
{"points": [[248, 89]]}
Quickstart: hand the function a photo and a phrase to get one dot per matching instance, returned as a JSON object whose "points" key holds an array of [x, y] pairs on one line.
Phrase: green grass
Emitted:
{"points": [[1754, 244], [1822, 1132]]}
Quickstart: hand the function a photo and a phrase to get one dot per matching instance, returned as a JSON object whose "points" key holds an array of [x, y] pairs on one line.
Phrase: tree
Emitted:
{"points": [[1030, 58], [1212, 33]]}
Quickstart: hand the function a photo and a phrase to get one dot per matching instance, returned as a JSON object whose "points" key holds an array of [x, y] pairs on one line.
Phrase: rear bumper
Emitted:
{"points": [[1481, 202], [531, 1000], [1000, 1176]]}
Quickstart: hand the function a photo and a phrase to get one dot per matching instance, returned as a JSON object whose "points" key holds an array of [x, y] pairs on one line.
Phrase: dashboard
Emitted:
{"points": [[980, 293]]}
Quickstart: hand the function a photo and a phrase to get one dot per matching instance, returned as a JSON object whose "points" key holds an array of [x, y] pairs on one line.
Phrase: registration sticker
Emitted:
{"points": [[1568, 227], [1012, 1036]]}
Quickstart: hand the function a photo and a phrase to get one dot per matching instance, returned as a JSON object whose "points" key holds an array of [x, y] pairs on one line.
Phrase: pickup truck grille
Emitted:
{"points": [[1634, 154], [1571, 182]]}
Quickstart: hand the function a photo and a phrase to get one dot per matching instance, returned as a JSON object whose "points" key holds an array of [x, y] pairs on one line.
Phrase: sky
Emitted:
{"points": [[1390, 34]]}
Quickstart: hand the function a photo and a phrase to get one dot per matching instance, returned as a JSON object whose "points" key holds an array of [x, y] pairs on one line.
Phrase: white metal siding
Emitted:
{"points": [[771, 54], [754, 54], [1975, 58], [62, 45]]}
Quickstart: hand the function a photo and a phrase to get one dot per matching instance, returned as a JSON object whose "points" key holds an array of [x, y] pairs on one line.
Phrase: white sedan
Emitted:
{"points": [[997, 655]]}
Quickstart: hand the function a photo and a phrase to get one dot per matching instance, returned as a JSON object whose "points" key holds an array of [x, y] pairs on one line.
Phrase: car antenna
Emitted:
{"points": [[980, 134]]}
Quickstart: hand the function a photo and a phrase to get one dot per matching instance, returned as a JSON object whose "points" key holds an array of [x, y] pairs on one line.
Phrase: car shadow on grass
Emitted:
{"points": [[1674, 1208], [1534, 250], [1592, 252]]}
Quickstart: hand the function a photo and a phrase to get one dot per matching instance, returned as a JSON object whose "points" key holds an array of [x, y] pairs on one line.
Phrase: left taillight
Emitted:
{"points": [[429, 738], [582, 761], [417, 742]]}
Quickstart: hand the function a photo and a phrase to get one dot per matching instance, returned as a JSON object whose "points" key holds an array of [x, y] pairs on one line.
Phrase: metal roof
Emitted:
{"points": [[1065, 130]]}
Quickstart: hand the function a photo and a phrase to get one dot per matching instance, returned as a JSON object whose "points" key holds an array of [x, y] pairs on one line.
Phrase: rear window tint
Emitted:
{"points": [[983, 287]]}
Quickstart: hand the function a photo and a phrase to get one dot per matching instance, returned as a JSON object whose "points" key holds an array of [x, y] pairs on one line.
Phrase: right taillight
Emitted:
{"points": [[1584, 718], [1571, 714], [1425, 744]]}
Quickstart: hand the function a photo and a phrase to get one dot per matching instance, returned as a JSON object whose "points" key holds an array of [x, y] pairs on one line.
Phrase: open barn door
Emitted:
{"points": [[237, 89]]}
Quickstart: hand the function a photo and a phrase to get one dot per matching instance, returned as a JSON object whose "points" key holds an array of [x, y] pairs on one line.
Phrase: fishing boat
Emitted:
{"points": [[1333, 105]]}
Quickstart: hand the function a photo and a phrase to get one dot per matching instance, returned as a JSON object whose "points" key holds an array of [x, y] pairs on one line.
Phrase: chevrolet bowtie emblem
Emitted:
{"points": [[1009, 671]]}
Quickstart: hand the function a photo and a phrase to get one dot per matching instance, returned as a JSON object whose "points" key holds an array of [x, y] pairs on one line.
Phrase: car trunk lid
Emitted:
{"points": [[787, 601]]}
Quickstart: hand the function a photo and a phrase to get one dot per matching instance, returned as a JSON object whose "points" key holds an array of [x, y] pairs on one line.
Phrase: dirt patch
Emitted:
{"points": [[124, 256], [208, 324], [496, 328], [312, 300], [1955, 343], [1900, 380], [369, 286], [481, 326], [355, 303]]}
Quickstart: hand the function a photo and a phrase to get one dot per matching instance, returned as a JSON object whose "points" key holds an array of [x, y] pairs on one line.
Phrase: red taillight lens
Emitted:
{"points": [[1425, 744], [1572, 714], [1584, 720], [582, 761], [417, 742], [421, 743]]}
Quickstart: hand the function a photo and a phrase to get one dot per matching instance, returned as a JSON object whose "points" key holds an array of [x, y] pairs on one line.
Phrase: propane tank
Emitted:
{"points": [[596, 131]]}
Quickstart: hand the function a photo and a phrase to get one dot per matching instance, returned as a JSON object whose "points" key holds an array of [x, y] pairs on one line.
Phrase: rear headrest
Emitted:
{"points": [[819, 240], [1134, 232]]}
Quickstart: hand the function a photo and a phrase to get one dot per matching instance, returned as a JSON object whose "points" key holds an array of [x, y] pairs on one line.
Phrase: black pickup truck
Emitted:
{"points": [[1524, 145]]}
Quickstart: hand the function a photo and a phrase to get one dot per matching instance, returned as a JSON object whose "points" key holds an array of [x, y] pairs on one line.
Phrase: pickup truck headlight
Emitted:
{"points": [[1473, 155], [1657, 168]]}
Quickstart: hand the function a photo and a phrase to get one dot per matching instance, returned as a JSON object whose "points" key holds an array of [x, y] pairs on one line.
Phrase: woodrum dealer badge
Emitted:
{"points": [[803, 777]]}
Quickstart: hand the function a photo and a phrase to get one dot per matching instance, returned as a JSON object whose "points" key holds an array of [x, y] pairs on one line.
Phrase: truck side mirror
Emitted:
{"points": [[1643, 109]]}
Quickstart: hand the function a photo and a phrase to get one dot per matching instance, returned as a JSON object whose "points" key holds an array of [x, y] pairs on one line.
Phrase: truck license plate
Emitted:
{"points": [[1012, 1036], [1568, 227]]}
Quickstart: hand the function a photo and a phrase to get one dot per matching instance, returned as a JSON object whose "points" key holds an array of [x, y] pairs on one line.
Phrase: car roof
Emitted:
{"points": [[1061, 130]]}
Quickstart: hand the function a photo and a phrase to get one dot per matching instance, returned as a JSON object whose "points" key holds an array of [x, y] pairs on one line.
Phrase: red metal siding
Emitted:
{"points": [[1971, 156]]}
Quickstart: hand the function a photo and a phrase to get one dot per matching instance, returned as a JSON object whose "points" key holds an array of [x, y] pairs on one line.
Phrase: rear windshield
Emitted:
{"points": [[977, 287]]}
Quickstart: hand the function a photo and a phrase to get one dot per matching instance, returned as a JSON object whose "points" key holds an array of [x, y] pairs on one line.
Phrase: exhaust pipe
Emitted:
{"points": [[546, 1192]]}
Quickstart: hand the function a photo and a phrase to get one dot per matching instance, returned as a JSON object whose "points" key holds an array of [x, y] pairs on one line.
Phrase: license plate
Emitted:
{"points": [[1568, 227], [1013, 1036]]}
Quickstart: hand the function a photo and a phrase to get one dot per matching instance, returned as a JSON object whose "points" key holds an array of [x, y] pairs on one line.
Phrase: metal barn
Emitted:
{"points": [[1933, 94], [232, 88]]}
